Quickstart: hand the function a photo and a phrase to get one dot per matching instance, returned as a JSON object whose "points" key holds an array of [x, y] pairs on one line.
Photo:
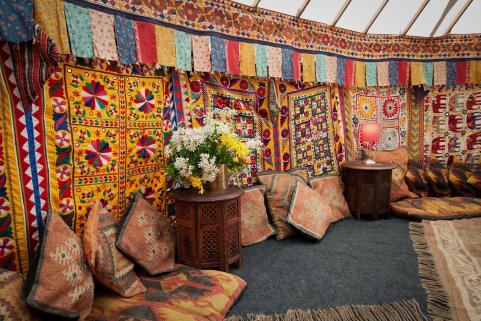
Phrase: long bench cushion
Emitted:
{"points": [[185, 294], [437, 208]]}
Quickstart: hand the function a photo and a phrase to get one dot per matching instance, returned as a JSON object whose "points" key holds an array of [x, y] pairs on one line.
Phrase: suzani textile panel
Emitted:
{"points": [[249, 97], [385, 106], [452, 125], [312, 137], [105, 135]]}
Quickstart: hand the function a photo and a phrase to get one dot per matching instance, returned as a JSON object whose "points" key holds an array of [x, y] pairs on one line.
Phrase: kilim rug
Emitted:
{"points": [[449, 254], [397, 311]]}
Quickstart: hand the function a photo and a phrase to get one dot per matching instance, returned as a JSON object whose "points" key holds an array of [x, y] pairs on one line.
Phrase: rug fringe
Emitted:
{"points": [[408, 310], [438, 301]]}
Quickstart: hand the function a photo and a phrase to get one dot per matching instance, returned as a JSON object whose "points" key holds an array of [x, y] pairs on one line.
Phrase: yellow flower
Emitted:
{"points": [[197, 183]]}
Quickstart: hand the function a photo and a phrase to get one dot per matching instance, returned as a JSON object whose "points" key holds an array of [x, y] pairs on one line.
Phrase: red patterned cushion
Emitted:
{"points": [[12, 304], [108, 264], [255, 226], [309, 212], [438, 179], [60, 284], [459, 175], [331, 191], [147, 237]]}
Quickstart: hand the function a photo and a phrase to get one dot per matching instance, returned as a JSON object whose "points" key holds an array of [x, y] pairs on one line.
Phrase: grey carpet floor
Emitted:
{"points": [[357, 262]]}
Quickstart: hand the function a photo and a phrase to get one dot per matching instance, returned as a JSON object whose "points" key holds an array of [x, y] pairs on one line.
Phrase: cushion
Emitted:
{"points": [[398, 158], [186, 294], [12, 304], [108, 264], [458, 177], [309, 212], [474, 181], [147, 237], [331, 192], [266, 178], [255, 226], [437, 208], [416, 181], [59, 282], [438, 179], [279, 200]]}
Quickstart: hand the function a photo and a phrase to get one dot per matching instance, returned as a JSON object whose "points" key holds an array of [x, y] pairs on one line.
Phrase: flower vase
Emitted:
{"points": [[221, 180]]}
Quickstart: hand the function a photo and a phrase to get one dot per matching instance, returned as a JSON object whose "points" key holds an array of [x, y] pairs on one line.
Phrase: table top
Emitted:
{"points": [[191, 195], [361, 164]]}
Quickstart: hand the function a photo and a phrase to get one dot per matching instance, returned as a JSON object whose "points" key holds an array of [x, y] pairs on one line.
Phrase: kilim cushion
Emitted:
{"points": [[266, 178], [255, 226], [310, 213], [59, 283], [147, 237], [108, 264], [12, 304], [437, 208], [475, 181], [331, 192], [416, 181], [398, 158], [279, 200], [438, 179], [459, 175]]}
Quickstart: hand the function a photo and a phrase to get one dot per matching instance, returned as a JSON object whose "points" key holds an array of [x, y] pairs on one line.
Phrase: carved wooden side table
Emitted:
{"points": [[208, 228], [367, 188]]}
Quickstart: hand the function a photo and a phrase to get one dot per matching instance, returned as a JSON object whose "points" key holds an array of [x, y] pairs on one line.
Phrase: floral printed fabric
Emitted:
{"points": [[321, 68], [124, 33], [201, 53], [309, 67], [261, 60], [287, 70], [439, 73], [183, 50], [232, 57], [371, 74], [247, 59], [383, 73], [341, 70], [145, 42], [218, 54], [50, 15], [17, 23], [393, 73], [274, 60], [360, 79], [79, 30], [166, 54], [331, 69], [103, 35]]}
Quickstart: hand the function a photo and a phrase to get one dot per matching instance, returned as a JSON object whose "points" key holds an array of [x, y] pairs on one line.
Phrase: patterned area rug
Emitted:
{"points": [[406, 310], [449, 255]]}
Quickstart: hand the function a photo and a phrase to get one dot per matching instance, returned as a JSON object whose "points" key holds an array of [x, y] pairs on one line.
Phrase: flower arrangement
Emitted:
{"points": [[195, 153]]}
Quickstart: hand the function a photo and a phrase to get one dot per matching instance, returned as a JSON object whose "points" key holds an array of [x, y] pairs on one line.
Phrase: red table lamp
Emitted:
{"points": [[370, 135]]}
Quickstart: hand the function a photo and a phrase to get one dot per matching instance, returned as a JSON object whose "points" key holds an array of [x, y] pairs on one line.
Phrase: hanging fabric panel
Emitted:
{"points": [[461, 72], [403, 73], [371, 74], [331, 69], [103, 35], [475, 73], [350, 71], [261, 60], [341, 70], [274, 61], [80, 34], [360, 80], [17, 22], [296, 65], [321, 68], [183, 50], [308, 67], [393, 73], [218, 54], [428, 73], [50, 15], [450, 73], [417, 73], [439, 73], [247, 59], [232, 57], [287, 64], [201, 53], [145, 42], [166, 46], [383, 73], [124, 34]]}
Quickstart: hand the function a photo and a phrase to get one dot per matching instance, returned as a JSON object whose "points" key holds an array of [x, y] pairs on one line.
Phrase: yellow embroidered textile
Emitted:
{"points": [[360, 80], [417, 73], [50, 15], [247, 59], [309, 67], [165, 38]]}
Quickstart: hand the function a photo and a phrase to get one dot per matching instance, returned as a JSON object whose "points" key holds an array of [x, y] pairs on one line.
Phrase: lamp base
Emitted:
{"points": [[369, 161]]}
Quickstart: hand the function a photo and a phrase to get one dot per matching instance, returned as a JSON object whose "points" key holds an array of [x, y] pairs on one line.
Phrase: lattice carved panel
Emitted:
{"points": [[232, 246], [209, 214], [210, 244], [231, 210]]}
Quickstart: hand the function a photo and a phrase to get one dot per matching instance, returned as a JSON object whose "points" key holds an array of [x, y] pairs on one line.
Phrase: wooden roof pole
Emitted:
{"points": [[300, 11], [341, 12], [415, 17], [458, 16], [378, 12], [448, 8], [255, 4]]}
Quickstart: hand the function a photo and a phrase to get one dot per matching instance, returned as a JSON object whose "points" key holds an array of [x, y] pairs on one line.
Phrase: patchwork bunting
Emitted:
{"points": [[79, 30], [439, 73], [360, 74], [321, 70], [383, 73], [103, 35], [183, 50], [287, 64], [201, 53], [296, 65], [417, 73], [341, 70], [350, 71], [232, 57], [475, 73], [261, 60], [124, 34], [50, 15], [309, 67], [428, 73], [403, 73], [145, 42], [274, 61], [331, 69], [451, 73], [461, 72], [217, 54], [166, 46], [393, 73], [247, 59], [17, 23], [371, 74]]}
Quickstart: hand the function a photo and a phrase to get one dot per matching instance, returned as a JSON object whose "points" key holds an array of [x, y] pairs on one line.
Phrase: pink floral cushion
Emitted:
{"points": [[331, 191]]}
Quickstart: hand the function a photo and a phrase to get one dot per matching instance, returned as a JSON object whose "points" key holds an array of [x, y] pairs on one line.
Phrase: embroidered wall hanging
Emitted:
{"points": [[105, 133], [385, 106], [452, 126]]}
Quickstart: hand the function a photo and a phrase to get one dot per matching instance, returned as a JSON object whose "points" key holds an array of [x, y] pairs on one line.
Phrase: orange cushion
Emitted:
{"points": [[331, 191], [108, 264], [438, 179], [255, 226]]}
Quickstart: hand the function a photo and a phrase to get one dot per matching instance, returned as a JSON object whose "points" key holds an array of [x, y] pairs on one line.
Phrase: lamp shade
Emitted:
{"points": [[370, 132]]}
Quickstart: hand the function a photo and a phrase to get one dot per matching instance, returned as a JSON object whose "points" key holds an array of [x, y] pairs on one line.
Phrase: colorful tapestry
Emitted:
{"points": [[387, 107], [253, 120], [452, 126], [105, 132]]}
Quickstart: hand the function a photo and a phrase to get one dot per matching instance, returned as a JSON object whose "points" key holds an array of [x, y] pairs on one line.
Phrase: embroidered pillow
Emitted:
{"points": [[12, 304], [438, 179], [278, 201], [331, 192], [458, 180], [398, 158], [147, 237], [108, 264], [59, 283], [266, 178], [416, 181], [255, 226], [310, 213]]}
